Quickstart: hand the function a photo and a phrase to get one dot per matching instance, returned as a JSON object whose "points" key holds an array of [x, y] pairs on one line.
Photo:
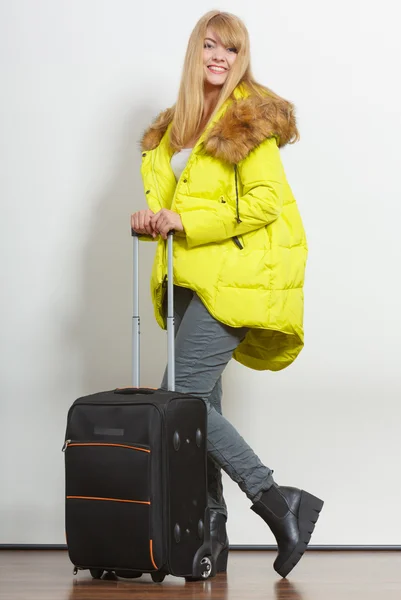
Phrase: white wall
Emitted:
{"points": [[81, 79]]}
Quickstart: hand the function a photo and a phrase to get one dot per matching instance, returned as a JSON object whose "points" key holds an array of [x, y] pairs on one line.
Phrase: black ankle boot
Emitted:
{"points": [[291, 514], [219, 539]]}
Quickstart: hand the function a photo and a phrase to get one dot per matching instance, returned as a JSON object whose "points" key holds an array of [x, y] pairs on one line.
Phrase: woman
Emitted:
{"points": [[212, 171]]}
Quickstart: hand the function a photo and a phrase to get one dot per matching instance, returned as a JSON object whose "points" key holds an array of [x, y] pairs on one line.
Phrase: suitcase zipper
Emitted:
{"points": [[64, 448], [68, 443], [166, 510]]}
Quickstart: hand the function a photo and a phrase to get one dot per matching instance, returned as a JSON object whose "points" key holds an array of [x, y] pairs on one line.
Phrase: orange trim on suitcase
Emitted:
{"points": [[105, 444], [109, 499], [151, 555]]}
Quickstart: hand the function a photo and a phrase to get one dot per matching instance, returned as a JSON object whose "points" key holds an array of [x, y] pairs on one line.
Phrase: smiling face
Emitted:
{"points": [[217, 60]]}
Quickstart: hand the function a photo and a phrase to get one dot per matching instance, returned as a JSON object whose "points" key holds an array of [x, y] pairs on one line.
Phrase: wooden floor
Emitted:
{"points": [[320, 575]]}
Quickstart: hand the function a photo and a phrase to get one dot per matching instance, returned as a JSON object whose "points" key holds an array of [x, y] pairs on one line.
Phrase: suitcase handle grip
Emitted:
{"points": [[136, 234], [170, 313], [131, 391], [146, 235]]}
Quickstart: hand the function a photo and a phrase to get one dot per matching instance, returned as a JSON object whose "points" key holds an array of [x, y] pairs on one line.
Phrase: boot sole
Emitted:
{"points": [[220, 564], [308, 514]]}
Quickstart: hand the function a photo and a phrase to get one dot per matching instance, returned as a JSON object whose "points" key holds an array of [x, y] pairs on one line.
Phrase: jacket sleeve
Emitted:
{"points": [[262, 175]]}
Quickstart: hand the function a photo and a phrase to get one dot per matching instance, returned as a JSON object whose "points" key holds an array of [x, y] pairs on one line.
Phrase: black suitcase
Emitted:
{"points": [[136, 483]]}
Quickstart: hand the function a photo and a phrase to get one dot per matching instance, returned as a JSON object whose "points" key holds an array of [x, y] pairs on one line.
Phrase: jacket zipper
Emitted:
{"points": [[156, 184], [237, 242]]}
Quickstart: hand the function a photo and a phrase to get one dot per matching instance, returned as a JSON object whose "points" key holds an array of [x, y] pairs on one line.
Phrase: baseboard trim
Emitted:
{"points": [[33, 547], [321, 548], [233, 547]]}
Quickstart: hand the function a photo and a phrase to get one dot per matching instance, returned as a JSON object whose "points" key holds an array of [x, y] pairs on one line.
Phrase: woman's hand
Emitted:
{"points": [[141, 222], [166, 220]]}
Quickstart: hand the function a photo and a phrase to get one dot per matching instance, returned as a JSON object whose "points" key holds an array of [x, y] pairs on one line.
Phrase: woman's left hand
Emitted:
{"points": [[166, 220]]}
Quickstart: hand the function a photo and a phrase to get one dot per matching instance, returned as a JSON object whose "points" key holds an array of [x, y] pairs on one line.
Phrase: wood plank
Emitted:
{"points": [[337, 575]]}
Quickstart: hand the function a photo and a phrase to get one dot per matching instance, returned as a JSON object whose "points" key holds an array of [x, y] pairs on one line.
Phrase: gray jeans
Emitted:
{"points": [[203, 347]]}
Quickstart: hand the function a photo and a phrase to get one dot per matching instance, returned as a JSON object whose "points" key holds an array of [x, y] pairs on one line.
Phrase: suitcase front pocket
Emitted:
{"points": [[107, 505]]}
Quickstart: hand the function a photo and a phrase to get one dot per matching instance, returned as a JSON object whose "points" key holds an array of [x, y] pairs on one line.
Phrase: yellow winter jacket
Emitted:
{"points": [[244, 250]]}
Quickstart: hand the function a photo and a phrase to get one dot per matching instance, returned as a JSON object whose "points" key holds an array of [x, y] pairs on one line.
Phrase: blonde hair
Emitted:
{"points": [[189, 107]]}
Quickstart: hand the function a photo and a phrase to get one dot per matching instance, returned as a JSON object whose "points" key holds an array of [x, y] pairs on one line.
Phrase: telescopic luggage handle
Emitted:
{"points": [[170, 314]]}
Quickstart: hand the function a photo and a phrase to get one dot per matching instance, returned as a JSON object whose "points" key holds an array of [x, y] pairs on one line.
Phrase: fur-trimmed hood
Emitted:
{"points": [[244, 125]]}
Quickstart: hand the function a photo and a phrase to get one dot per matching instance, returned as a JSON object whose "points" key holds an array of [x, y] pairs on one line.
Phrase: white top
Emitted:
{"points": [[179, 160]]}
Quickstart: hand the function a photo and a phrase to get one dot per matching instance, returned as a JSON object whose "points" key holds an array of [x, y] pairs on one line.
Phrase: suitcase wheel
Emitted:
{"points": [[207, 567], [158, 576], [96, 573], [205, 570], [128, 574]]}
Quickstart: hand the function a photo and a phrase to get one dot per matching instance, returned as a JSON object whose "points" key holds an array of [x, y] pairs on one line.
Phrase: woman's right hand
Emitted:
{"points": [[140, 222]]}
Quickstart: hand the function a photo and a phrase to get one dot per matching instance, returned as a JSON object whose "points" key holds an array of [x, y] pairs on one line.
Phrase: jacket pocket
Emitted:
{"points": [[108, 505]]}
